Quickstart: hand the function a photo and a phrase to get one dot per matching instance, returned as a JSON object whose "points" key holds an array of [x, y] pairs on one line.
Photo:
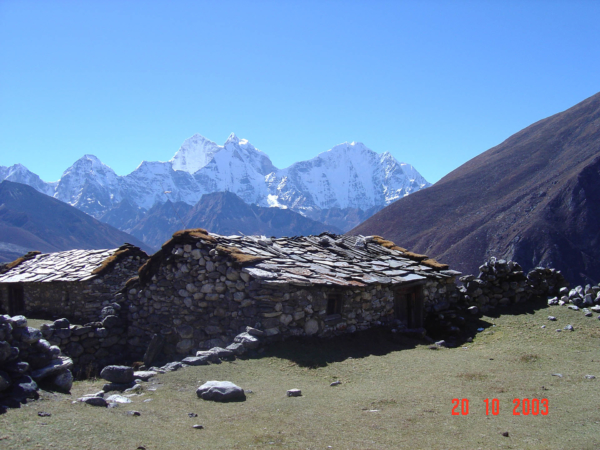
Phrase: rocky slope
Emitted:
{"points": [[535, 198], [30, 221]]}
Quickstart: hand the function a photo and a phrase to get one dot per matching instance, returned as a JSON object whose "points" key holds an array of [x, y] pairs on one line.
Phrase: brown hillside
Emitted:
{"points": [[534, 198], [30, 220]]}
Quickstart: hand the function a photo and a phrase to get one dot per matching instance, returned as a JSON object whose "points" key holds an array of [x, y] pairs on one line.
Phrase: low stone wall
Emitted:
{"points": [[95, 344], [501, 283]]}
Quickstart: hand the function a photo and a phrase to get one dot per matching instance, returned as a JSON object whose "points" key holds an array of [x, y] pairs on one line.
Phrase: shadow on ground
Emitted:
{"points": [[476, 325], [319, 352]]}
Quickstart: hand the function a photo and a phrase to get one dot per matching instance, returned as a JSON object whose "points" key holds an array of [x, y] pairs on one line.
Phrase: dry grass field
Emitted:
{"points": [[393, 395]]}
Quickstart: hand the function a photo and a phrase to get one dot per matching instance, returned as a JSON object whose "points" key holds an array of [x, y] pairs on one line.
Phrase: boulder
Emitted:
{"points": [[62, 323], [196, 360], [19, 321], [63, 381], [93, 401], [210, 356], [115, 398], [237, 348], [294, 393], [172, 366], [220, 391], [55, 367], [247, 340], [117, 374], [111, 322], [27, 335], [144, 375], [311, 327], [222, 353]]}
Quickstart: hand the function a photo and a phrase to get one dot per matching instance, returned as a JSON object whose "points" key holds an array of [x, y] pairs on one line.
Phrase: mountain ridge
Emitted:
{"points": [[349, 175], [30, 220], [533, 198]]}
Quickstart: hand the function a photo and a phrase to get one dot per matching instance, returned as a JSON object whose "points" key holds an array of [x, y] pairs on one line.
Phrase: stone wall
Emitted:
{"points": [[79, 301], [201, 299], [501, 283], [95, 344]]}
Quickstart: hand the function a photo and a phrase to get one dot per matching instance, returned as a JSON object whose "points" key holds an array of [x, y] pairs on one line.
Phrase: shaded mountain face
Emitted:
{"points": [[226, 214], [534, 198], [160, 222], [349, 176], [30, 220]]}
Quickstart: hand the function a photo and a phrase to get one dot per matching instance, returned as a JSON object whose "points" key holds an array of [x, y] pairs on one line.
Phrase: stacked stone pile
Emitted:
{"points": [[26, 359], [502, 282], [579, 297], [545, 281], [93, 345]]}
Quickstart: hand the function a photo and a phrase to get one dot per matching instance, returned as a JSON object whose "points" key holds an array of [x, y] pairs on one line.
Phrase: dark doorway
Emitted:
{"points": [[408, 304], [334, 304], [16, 299]]}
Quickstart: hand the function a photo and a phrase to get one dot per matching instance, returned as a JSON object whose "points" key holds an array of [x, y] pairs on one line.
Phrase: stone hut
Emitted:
{"points": [[201, 289], [75, 284]]}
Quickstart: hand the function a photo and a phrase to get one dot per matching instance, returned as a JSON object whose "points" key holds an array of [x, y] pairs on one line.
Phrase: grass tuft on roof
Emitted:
{"points": [[387, 244], [238, 256], [16, 262]]}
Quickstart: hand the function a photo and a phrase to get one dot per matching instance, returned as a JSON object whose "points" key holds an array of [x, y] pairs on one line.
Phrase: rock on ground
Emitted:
{"points": [[220, 391], [117, 374]]}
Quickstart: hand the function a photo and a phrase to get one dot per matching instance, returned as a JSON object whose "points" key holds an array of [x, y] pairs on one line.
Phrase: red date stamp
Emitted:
{"points": [[521, 406]]}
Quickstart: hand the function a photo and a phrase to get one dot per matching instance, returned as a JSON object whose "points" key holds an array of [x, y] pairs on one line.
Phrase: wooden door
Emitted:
{"points": [[409, 307]]}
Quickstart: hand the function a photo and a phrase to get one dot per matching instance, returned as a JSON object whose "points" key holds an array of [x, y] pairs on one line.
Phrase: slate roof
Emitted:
{"points": [[326, 259], [70, 265]]}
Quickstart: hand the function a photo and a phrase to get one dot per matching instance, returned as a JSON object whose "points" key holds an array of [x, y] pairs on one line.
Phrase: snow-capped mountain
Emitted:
{"points": [[20, 174], [350, 175]]}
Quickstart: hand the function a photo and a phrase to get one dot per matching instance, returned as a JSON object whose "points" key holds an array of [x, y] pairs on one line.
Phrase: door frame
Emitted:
{"points": [[413, 309]]}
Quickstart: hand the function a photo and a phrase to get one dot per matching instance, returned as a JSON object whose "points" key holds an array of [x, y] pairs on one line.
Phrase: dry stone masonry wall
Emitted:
{"points": [[501, 283], [93, 345]]}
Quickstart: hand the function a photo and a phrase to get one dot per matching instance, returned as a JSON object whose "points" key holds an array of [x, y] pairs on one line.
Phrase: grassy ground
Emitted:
{"points": [[393, 395]]}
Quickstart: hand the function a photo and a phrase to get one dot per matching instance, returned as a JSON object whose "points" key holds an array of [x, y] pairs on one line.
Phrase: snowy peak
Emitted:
{"points": [[232, 139], [349, 175], [195, 153], [18, 173]]}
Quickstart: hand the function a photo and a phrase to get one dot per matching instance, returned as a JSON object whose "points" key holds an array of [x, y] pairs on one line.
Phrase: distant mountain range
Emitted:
{"points": [[534, 198], [340, 187], [222, 213], [30, 220]]}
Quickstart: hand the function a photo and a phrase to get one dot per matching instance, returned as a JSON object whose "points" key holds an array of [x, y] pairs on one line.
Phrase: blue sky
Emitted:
{"points": [[433, 82]]}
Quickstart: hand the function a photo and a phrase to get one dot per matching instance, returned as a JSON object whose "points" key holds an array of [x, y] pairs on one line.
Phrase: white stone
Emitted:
{"points": [[311, 327], [285, 319]]}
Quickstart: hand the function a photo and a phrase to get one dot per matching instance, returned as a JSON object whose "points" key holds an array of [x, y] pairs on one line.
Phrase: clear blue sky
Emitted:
{"points": [[433, 82]]}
